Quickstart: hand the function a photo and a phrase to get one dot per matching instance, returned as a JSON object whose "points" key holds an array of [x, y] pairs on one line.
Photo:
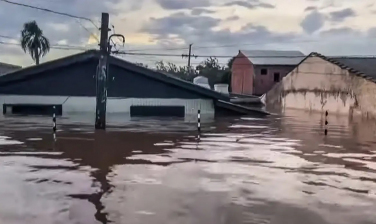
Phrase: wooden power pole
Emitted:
{"points": [[101, 76], [189, 56]]}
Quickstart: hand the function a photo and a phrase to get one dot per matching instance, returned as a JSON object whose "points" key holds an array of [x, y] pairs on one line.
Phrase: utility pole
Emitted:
{"points": [[101, 76], [189, 59], [189, 56]]}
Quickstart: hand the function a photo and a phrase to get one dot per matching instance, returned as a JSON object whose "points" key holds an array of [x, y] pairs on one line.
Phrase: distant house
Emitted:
{"points": [[255, 72], [339, 85], [5, 68], [69, 84]]}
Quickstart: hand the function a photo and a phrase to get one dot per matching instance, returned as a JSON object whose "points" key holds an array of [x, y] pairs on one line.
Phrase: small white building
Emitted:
{"points": [[339, 85]]}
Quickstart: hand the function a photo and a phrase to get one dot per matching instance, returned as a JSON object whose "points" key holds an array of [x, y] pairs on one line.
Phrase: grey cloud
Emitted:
{"points": [[266, 5], [199, 11], [232, 18], [341, 15], [182, 4], [250, 5], [179, 23], [310, 8], [198, 30], [313, 22], [372, 32], [343, 31], [16, 16]]}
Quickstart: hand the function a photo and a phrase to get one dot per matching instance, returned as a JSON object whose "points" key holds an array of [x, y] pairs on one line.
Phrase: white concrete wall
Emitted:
{"points": [[318, 85], [73, 105]]}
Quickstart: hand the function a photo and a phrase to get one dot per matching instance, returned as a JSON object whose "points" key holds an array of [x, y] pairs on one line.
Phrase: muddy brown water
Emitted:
{"points": [[279, 170]]}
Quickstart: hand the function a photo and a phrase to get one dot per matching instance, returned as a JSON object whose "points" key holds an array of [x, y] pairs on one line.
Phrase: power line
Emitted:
{"points": [[231, 45], [61, 47], [7, 37], [87, 30], [200, 56], [158, 49], [58, 45], [51, 11], [231, 56]]}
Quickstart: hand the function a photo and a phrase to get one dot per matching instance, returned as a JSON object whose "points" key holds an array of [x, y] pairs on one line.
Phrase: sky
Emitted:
{"points": [[214, 27]]}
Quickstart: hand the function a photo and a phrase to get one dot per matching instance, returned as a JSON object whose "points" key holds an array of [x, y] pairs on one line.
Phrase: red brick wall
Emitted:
{"points": [[263, 83], [242, 75]]}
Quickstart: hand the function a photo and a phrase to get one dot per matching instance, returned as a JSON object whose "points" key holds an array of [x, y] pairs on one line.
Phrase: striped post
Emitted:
{"points": [[326, 123], [199, 121], [54, 122]]}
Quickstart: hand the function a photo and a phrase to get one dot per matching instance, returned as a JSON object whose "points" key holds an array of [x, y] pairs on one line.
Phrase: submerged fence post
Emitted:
{"points": [[198, 124], [54, 122], [199, 121], [326, 123]]}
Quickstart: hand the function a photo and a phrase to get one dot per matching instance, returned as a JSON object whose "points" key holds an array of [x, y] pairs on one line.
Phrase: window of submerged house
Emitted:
{"points": [[264, 71], [276, 77]]}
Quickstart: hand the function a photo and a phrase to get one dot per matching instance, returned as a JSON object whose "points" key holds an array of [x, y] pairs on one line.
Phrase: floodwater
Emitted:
{"points": [[279, 170]]}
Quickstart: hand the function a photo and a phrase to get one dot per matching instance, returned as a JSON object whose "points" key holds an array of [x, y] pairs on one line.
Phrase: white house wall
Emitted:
{"points": [[318, 85], [114, 105]]}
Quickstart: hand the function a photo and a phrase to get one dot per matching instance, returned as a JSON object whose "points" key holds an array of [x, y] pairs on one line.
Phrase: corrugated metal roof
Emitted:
{"points": [[269, 57], [365, 65]]}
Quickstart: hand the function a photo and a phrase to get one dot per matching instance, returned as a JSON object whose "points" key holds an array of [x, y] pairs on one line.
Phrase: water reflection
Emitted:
{"points": [[244, 170]]}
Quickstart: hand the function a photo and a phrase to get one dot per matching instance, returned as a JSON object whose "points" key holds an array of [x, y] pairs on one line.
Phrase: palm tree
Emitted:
{"points": [[33, 41]]}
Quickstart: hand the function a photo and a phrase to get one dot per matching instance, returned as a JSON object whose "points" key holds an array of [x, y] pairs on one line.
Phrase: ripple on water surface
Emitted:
{"points": [[248, 170]]}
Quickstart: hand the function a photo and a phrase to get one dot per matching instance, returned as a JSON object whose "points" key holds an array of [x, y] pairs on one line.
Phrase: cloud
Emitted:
{"points": [[182, 4], [55, 27], [232, 18], [343, 31], [200, 29], [371, 32], [313, 22], [341, 15], [166, 24], [310, 8], [199, 11], [250, 5]]}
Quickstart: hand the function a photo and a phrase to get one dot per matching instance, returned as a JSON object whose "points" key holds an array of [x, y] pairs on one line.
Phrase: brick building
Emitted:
{"points": [[255, 72]]}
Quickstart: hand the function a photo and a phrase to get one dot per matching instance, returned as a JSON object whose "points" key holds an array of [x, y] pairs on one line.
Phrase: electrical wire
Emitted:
{"points": [[51, 11], [60, 13], [231, 56], [60, 47], [57, 45]]}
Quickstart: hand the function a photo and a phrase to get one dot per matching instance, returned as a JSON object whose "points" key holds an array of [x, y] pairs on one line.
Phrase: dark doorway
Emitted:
{"points": [[276, 77], [32, 109], [157, 111]]}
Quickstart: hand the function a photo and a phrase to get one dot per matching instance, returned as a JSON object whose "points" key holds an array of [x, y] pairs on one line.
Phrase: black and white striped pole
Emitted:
{"points": [[54, 122], [326, 123], [198, 124], [199, 121]]}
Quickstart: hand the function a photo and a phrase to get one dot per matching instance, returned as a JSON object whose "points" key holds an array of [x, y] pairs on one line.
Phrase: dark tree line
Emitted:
{"points": [[209, 68]]}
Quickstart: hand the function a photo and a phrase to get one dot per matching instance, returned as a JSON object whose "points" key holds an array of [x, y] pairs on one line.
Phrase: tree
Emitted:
{"points": [[181, 72], [211, 69], [226, 78], [142, 65], [33, 41]]}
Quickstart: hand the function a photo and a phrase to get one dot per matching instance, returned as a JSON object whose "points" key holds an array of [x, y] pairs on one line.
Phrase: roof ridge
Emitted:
{"points": [[10, 65], [343, 66]]}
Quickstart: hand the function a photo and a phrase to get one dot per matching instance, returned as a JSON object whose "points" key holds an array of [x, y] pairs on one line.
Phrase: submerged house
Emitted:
{"points": [[70, 84], [257, 71], [339, 85]]}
